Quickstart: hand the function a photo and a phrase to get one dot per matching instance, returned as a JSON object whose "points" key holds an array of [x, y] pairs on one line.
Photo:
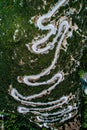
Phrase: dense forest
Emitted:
{"points": [[16, 59]]}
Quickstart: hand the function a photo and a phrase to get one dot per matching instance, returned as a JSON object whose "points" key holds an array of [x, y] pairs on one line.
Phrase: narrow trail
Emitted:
{"points": [[41, 113]]}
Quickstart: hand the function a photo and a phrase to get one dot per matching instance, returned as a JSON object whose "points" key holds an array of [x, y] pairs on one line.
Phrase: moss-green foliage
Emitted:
{"points": [[83, 67], [84, 112], [17, 122], [16, 15]]}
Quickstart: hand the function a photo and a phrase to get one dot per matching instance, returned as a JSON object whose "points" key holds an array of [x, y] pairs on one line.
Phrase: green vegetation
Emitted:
{"points": [[83, 68], [16, 15], [17, 122]]}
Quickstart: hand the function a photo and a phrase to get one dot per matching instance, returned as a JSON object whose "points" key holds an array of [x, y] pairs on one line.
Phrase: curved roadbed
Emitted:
{"points": [[63, 110]]}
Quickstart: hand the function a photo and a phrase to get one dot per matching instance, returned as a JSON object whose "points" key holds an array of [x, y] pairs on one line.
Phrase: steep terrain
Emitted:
{"points": [[42, 50]]}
